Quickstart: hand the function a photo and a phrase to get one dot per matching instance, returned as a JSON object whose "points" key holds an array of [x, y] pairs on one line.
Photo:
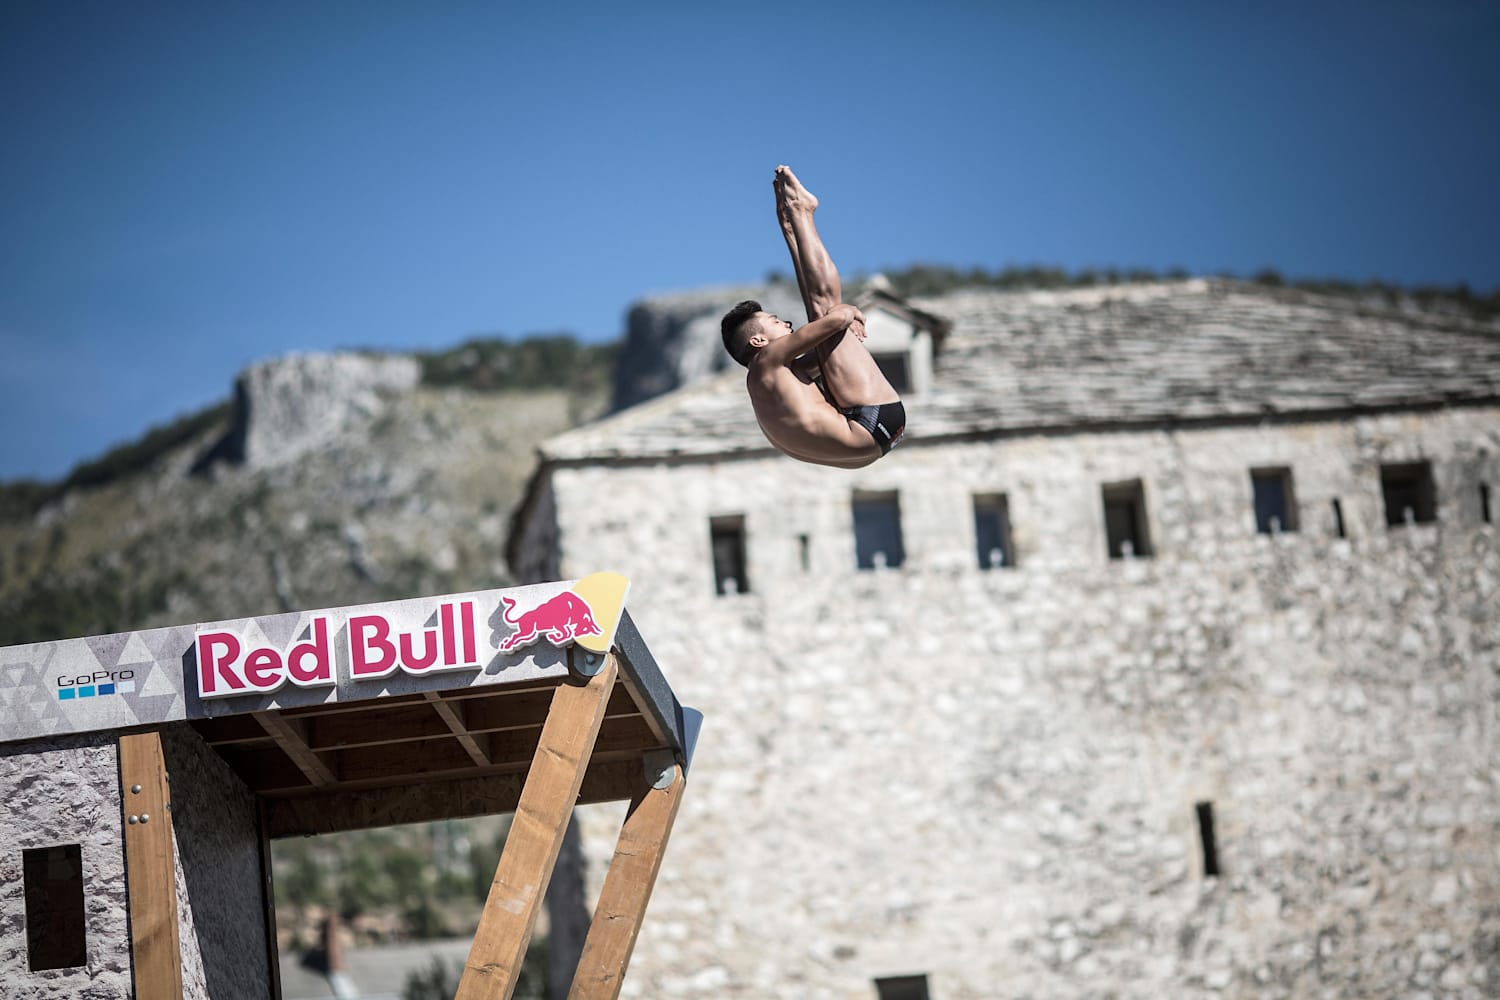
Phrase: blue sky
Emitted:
{"points": [[187, 188]]}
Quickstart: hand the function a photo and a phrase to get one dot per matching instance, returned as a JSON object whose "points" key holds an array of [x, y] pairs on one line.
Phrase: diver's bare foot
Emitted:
{"points": [[791, 194], [783, 213]]}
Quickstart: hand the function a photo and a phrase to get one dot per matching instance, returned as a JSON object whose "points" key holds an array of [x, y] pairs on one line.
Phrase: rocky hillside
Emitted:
{"points": [[325, 480], [329, 480]]}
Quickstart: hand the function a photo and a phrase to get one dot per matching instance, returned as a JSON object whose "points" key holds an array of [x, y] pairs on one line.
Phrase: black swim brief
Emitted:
{"points": [[885, 423]]}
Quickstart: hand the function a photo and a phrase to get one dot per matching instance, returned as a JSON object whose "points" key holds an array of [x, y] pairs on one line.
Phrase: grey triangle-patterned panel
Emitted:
{"points": [[168, 644], [40, 695], [106, 648], [280, 629], [76, 685]]}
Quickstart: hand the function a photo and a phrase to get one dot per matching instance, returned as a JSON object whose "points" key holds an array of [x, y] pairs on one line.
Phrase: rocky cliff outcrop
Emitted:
{"points": [[288, 406], [673, 339], [340, 479]]}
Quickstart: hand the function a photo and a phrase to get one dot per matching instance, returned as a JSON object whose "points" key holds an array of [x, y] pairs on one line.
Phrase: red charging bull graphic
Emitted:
{"points": [[559, 620]]}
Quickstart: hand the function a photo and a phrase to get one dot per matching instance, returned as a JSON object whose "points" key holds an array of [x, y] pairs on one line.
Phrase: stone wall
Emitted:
{"points": [[55, 792], [220, 897], [991, 776], [67, 791]]}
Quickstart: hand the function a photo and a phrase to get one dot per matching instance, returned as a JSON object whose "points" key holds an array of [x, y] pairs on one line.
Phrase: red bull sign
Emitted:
{"points": [[371, 643], [496, 637]]}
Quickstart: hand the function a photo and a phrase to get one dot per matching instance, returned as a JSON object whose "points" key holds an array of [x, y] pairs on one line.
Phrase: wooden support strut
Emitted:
{"points": [[627, 889], [290, 736], [452, 716], [150, 870], [536, 834]]}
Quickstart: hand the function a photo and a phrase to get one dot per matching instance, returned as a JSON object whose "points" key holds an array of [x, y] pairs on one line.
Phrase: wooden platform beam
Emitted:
{"points": [[452, 715], [536, 834], [150, 871], [627, 890], [425, 801], [290, 735]]}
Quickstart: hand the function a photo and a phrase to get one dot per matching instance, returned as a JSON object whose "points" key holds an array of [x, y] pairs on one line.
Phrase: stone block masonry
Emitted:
{"points": [[994, 776], [66, 791], [60, 792]]}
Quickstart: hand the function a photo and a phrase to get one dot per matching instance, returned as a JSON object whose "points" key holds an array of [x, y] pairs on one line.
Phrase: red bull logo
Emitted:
{"points": [[559, 620], [367, 643]]}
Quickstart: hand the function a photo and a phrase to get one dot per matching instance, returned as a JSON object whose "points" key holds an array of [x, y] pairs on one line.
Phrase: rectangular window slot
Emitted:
{"points": [[992, 532], [1275, 507], [727, 538], [1338, 519], [1484, 502], [902, 988], [1409, 493], [877, 531], [53, 878], [896, 367], [1125, 520], [804, 553], [1205, 812]]}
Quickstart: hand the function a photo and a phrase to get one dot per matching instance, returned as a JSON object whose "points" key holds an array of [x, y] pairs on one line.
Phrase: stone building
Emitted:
{"points": [[1162, 658]]}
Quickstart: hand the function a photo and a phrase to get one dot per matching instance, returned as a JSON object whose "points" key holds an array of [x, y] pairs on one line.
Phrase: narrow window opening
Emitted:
{"points": [[727, 538], [896, 367], [1206, 838], [877, 531], [902, 988], [1338, 519], [1409, 494], [804, 554], [1484, 502], [992, 532], [53, 878], [1125, 520], [1275, 506]]}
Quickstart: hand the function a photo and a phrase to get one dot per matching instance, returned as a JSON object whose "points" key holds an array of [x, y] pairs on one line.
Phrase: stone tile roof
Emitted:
{"points": [[1169, 353]]}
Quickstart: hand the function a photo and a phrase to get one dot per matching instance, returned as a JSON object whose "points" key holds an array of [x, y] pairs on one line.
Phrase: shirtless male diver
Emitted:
{"points": [[849, 416]]}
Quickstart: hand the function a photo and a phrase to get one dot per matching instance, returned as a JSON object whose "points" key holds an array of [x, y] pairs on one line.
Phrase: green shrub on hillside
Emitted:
{"points": [[98, 604], [138, 455], [23, 498], [542, 362]]}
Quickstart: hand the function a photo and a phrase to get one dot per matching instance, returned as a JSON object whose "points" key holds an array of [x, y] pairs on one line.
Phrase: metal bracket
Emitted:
{"points": [[585, 662], [660, 767]]}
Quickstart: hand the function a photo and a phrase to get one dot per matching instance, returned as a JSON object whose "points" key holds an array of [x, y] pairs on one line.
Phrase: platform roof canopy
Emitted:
{"points": [[371, 715]]}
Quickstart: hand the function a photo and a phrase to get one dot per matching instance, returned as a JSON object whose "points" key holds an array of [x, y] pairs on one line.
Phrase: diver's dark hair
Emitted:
{"points": [[729, 329]]}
